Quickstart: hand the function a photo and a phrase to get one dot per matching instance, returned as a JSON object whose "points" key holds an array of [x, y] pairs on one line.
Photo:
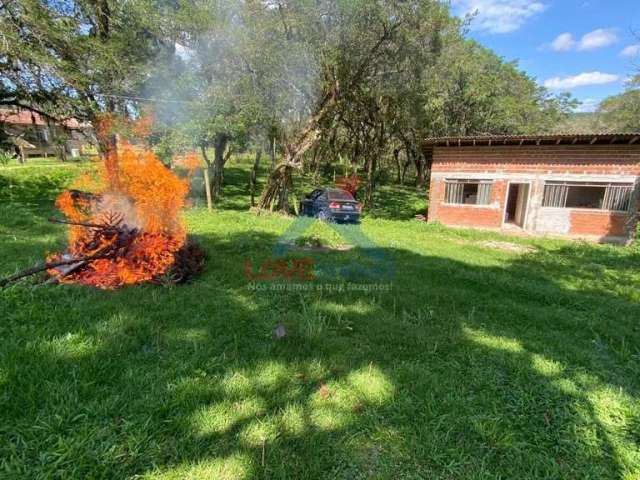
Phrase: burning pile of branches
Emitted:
{"points": [[127, 231]]}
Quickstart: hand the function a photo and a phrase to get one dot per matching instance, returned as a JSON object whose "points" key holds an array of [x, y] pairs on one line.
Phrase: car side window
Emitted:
{"points": [[316, 194]]}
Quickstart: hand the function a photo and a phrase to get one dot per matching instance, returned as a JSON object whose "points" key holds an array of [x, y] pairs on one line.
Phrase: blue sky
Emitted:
{"points": [[586, 47]]}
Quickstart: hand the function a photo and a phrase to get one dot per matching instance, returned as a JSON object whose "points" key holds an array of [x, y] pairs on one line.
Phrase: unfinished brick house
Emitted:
{"points": [[581, 186]]}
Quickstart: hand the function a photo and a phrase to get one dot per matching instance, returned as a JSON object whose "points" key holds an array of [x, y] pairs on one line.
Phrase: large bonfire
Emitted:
{"points": [[129, 230], [125, 225]]}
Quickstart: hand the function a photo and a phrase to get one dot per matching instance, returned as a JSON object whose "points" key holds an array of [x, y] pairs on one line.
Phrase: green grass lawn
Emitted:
{"points": [[480, 362]]}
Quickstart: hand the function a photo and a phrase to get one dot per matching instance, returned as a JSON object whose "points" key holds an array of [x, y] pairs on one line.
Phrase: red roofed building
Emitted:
{"points": [[35, 136], [580, 186]]}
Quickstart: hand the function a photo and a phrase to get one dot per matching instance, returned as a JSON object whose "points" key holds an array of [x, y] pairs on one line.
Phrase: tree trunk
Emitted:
{"points": [[405, 166], [276, 193], [62, 153], [315, 163], [272, 151], [371, 175], [220, 146], [207, 181], [316, 169], [108, 152], [428, 162], [253, 177], [207, 186], [420, 174], [396, 157], [107, 144], [410, 158], [419, 162]]}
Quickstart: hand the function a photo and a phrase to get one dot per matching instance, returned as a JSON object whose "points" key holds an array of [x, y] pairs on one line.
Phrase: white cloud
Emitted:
{"points": [[631, 51], [602, 37], [499, 16], [597, 39], [580, 80], [563, 42]]}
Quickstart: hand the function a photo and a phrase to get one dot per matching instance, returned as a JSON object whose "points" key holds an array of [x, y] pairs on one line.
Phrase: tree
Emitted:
{"points": [[473, 91], [621, 113], [75, 57], [220, 84], [352, 44], [369, 115]]}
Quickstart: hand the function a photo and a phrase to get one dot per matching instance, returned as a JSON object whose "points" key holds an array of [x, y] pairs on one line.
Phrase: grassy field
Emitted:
{"points": [[482, 357]]}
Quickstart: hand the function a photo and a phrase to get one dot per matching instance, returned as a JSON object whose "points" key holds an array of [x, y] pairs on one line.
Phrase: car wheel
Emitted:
{"points": [[324, 216]]}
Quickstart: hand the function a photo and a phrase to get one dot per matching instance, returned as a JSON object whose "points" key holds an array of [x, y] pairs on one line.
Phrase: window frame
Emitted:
{"points": [[570, 183], [465, 181]]}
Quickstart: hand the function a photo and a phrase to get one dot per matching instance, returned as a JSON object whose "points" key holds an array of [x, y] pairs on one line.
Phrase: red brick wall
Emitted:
{"points": [[470, 216], [589, 159], [463, 215], [436, 194], [598, 223]]}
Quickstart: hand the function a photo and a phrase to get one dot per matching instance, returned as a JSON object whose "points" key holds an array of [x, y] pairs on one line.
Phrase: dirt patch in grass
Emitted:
{"points": [[507, 246], [497, 245], [321, 248], [313, 243]]}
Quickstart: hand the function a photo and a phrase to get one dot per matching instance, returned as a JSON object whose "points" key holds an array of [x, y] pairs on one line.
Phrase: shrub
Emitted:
{"points": [[6, 157]]}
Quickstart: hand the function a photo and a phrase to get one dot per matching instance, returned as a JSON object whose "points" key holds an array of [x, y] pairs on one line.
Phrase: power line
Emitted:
{"points": [[144, 99]]}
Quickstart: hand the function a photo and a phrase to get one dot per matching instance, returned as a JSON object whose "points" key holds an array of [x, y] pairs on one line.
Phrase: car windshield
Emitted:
{"points": [[339, 195]]}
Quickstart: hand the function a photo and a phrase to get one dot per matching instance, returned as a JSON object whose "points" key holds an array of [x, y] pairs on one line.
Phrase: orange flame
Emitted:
{"points": [[190, 161], [140, 196], [142, 128]]}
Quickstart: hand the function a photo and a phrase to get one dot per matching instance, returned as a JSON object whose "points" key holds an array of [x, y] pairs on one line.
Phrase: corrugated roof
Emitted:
{"points": [[543, 139], [27, 117]]}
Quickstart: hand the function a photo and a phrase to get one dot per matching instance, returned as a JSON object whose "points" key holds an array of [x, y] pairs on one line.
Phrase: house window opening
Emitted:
{"points": [[599, 196], [468, 192], [580, 196]]}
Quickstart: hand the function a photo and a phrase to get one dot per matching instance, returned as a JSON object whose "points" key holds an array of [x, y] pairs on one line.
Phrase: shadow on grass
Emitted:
{"points": [[460, 371]]}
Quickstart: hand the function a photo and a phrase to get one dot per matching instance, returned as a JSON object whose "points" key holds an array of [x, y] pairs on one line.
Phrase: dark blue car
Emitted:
{"points": [[331, 205]]}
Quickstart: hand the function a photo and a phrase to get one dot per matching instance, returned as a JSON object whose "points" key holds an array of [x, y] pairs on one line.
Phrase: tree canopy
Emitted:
{"points": [[81, 58], [316, 80], [621, 113]]}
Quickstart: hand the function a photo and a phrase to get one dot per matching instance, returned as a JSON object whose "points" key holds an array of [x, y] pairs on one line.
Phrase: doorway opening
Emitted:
{"points": [[517, 200]]}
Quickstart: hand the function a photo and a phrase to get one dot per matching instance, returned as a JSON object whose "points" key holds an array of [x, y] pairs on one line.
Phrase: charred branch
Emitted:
{"points": [[48, 266]]}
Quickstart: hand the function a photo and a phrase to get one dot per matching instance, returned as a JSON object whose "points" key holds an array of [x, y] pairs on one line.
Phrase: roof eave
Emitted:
{"points": [[528, 140]]}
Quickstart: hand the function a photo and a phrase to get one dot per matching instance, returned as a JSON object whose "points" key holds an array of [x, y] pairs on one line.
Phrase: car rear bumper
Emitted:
{"points": [[353, 217]]}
